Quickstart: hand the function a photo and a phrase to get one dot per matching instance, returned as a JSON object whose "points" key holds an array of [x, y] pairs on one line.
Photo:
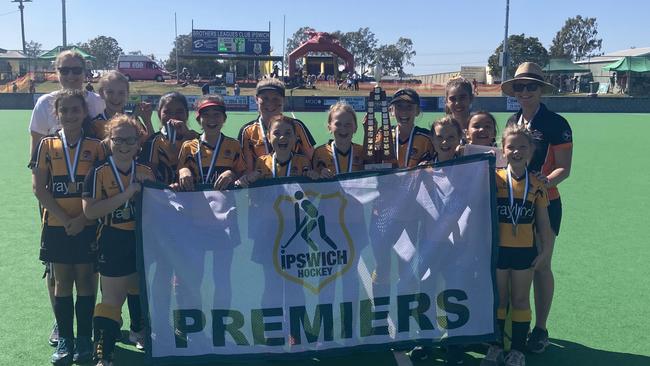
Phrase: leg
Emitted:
{"points": [[520, 299], [108, 314], [544, 287], [86, 285], [49, 283], [64, 312]]}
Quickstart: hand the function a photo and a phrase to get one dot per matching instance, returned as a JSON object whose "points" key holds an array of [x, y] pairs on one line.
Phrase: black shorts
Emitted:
{"points": [[516, 258], [555, 214], [116, 254], [59, 247]]}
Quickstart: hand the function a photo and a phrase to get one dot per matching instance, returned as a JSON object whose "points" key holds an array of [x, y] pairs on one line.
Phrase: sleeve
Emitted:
{"points": [[148, 155], [260, 167], [40, 117], [188, 160], [238, 164], [541, 195], [305, 136], [40, 155], [91, 184], [245, 143], [101, 151], [562, 133]]}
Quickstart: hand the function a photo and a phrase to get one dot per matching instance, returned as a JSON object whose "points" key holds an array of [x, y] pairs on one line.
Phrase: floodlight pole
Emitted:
{"points": [[65, 40], [504, 66], [284, 32], [22, 20], [176, 46]]}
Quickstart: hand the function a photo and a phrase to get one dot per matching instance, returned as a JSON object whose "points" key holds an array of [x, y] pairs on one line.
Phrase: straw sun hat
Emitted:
{"points": [[528, 71]]}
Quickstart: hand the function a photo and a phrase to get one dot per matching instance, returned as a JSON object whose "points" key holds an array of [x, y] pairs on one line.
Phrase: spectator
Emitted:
{"points": [[14, 87], [236, 90]]}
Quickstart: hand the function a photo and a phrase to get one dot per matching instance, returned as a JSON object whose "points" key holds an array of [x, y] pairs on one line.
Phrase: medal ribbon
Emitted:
{"points": [[408, 149], [116, 174], [511, 196], [71, 167], [171, 132], [215, 153], [288, 173], [336, 159], [266, 141]]}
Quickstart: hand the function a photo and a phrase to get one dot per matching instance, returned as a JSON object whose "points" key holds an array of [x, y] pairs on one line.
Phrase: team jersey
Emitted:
{"points": [[552, 133], [98, 125], [101, 183], [229, 158], [523, 236], [67, 194], [421, 148], [162, 155], [324, 158], [299, 165], [254, 142]]}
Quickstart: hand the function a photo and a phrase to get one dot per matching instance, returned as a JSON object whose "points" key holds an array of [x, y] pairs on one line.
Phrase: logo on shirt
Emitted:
{"points": [[567, 135]]}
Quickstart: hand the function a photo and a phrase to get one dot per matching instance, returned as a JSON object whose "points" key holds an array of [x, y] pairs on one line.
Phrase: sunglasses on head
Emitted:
{"points": [[121, 140], [519, 87], [74, 70]]}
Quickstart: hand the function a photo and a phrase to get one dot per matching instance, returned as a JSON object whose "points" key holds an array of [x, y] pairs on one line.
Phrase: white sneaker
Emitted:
{"points": [[137, 338], [515, 358], [493, 357]]}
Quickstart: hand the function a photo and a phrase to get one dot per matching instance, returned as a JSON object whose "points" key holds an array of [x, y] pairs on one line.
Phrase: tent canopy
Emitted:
{"points": [[563, 66], [630, 63], [51, 54]]}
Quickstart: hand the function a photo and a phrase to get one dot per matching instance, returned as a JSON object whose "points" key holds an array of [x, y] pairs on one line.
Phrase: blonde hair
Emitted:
{"points": [[112, 75], [517, 130], [447, 120], [120, 120], [344, 107], [69, 53]]}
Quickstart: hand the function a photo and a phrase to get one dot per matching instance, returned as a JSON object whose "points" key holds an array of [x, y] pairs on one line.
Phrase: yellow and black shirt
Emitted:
{"points": [[523, 236], [323, 158], [162, 155], [101, 184], [421, 148], [299, 166], [229, 158], [50, 154]]}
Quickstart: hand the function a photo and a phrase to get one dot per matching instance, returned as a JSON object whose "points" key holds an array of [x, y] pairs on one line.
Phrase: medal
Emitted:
{"points": [[336, 159], [171, 133], [213, 161], [126, 213], [116, 174], [408, 148], [515, 213], [264, 139], [288, 173], [71, 166]]}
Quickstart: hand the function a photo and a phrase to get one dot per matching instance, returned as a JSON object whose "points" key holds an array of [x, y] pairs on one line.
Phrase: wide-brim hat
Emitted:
{"points": [[528, 71]]}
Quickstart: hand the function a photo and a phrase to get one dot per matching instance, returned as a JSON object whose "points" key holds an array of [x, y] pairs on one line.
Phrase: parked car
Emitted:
{"points": [[140, 68]]}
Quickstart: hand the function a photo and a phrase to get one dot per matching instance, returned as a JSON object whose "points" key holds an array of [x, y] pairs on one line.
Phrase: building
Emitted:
{"points": [[595, 64]]}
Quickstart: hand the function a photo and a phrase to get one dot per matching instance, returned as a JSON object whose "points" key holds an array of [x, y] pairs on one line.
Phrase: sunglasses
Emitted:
{"points": [[122, 140], [530, 87], [74, 70]]}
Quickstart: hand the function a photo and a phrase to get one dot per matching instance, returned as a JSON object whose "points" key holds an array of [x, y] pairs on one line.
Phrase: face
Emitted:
{"points": [[517, 150], [173, 110], [269, 104], [445, 141], [405, 113], [342, 126], [71, 73], [526, 97], [115, 94], [124, 142], [481, 130], [282, 137], [71, 113], [212, 119], [458, 101]]}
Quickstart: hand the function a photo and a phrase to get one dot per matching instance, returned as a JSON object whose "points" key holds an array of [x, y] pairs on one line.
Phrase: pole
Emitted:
{"points": [[284, 33], [21, 7], [65, 41], [504, 66], [176, 45]]}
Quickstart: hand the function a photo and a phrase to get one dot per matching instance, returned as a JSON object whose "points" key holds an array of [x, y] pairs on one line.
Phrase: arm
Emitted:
{"points": [[95, 208], [545, 234], [39, 181], [35, 139], [563, 157]]}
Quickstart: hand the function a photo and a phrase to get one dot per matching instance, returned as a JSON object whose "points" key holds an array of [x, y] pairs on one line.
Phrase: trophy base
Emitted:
{"points": [[378, 166]]}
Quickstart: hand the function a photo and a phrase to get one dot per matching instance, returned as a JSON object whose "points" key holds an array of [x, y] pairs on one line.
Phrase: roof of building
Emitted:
{"points": [[12, 54], [616, 55]]}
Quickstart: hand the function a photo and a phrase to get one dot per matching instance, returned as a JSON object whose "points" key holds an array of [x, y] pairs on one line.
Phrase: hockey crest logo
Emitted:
{"points": [[312, 246]]}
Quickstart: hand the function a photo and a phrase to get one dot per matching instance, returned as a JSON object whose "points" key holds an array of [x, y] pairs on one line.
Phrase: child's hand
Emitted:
{"points": [[542, 178], [185, 180], [311, 174], [540, 261], [133, 189], [179, 126], [224, 180], [144, 110], [326, 173], [248, 179], [75, 225]]}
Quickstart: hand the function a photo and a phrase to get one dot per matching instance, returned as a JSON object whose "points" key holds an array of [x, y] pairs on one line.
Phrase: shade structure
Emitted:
{"points": [[630, 63], [51, 54], [563, 66]]}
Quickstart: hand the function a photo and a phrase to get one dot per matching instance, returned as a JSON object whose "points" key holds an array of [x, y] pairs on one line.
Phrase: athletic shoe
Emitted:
{"points": [[515, 358], [64, 351], [83, 350], [538, 340], [137, 338], [420, 353], [54, 336], [454, 355], [104, 363], [493, 357]]}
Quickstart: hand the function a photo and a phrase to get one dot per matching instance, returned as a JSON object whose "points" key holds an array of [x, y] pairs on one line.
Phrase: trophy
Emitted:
{"points": [[383, 157]]}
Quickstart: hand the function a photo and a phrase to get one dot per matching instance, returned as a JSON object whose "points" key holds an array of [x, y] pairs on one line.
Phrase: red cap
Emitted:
{"points": [[211, 103]]}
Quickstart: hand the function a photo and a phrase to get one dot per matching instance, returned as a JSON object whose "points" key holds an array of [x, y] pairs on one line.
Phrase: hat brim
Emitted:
{"points": [[506, 86]]}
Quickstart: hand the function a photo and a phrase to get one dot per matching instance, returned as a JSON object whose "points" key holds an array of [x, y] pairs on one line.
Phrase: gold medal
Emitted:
{"points": [[72, 187], [126, 213]]}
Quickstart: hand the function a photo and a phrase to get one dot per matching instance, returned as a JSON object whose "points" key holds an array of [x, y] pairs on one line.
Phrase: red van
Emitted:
{"points": [[139, 68]]}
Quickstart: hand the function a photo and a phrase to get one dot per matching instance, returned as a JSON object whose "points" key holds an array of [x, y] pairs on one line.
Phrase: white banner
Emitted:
{"points": [[370, 260]]}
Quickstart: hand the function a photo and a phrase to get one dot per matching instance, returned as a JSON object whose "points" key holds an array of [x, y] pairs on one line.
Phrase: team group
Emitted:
{"points": [[89, 160]]}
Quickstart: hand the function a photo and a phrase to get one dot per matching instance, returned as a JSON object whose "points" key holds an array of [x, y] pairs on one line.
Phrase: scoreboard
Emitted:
{"points": [[231, 42]]}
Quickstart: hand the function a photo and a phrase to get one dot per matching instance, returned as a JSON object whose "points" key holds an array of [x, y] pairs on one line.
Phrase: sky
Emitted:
{"points": [[446, 34]]}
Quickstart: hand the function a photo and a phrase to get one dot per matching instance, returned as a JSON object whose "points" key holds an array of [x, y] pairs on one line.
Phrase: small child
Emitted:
{"points": [[339, 155], [481, 137], [520, 219], [458, 100], [446, 133]]}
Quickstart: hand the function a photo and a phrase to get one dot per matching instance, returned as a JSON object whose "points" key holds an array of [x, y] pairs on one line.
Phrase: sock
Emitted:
{"points": [[501, 323], [520, 326], [84, 307], [135, 312], [64, 313], [107, 330]]}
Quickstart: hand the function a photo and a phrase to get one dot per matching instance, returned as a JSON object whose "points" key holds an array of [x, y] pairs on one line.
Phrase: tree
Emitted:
{"points": [[33, 49], [206, 66], [297, 39], [135, 53], [362, 44], [394, 57], [405, 46], [520, 50], [577, 39], [105, 49]]}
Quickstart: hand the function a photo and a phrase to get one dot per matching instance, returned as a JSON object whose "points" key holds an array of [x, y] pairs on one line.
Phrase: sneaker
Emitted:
{"points": [[83, 350], [454, 355], [137, 338], [420, 353], [493, 357], [54, 336], [104, 363], [515, 358], [64, 351], [537, 340]]}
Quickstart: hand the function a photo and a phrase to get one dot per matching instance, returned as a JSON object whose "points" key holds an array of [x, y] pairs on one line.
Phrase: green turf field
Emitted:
{"points": [[600, 311]]}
